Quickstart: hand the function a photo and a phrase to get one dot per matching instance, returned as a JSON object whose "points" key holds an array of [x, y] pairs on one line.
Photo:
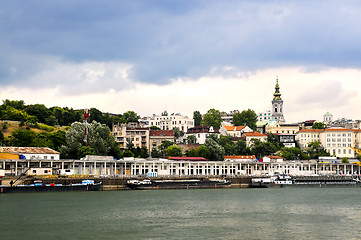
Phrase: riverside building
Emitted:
{"points": [[100, 166]]}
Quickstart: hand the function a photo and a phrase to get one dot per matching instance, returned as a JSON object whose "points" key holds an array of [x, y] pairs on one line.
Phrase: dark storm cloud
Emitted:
{"points": [[163, 40]]}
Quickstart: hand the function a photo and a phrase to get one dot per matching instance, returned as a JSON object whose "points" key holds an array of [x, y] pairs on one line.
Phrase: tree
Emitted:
{"points": [[216, 150], [174, 151], [241, 148], [58, 139], [191, 139], [203, 151], [165, 144], [42, 140], [318, 125], [246, 117], [261, 149], [22, 138], [345, 160], [316, 150], [95, 115], [228, 145], [17, 104], [177, 133], [192, 153], [197, 117], [39, 111], [2, 138], [293, 153], [99, 138], [156, 153], [213, 118], [154, 128], [83, 151], [130, 116], [275, 140]]}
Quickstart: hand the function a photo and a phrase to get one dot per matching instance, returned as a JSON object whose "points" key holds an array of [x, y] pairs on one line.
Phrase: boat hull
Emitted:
{"points": [[20, 189], [208, 184]]}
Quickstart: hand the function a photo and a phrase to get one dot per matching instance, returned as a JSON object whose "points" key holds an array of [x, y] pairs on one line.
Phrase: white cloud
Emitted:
{"points": [[306, 95]]}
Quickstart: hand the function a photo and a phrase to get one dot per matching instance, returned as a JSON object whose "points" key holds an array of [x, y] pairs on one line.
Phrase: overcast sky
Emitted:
{"points": [[182, 56]]}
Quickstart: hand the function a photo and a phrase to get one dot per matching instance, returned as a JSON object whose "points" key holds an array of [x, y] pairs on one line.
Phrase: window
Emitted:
{"points": [[34, 171]]}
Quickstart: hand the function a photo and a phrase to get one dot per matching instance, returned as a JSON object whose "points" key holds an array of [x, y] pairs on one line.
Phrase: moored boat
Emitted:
{"points": [[177, 184], [38, 186], [314, 181]]}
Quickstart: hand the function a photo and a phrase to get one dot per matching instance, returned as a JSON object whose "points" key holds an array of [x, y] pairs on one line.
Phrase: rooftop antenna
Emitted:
{"points": [[86, 115]]}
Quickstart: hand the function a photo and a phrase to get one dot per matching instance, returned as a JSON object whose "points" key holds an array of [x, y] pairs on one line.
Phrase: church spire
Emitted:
{"points": [[277, 94], [277, 104]]}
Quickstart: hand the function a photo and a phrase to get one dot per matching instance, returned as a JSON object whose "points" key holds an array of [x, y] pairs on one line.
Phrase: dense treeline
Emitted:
{"points": [[16, 110]]}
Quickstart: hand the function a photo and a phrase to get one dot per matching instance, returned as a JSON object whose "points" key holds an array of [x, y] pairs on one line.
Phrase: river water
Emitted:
{"points": [[288, 213]]}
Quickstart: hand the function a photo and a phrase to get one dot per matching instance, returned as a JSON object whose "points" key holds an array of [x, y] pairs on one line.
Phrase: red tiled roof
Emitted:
{"points": [[201, 129], [255, 134], [338, 130], [159, 133], [234, 128], [275, 157], [240, 157], [311, 130]]}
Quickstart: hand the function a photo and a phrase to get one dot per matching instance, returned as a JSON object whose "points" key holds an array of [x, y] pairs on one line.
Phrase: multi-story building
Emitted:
{"points": [[306, 136], [265, 116], [249, 136], [336, 141], [228, 117], [278, 128], [202, 132], [156, 137], [168, 122], [234, 131], [131, 133]]}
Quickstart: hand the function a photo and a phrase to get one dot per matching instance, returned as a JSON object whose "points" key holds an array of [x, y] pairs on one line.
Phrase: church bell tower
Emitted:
{"points": [[277, 105]]}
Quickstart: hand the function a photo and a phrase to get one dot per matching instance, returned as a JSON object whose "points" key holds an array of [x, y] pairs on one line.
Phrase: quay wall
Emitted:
{"points": [[119, 183]]}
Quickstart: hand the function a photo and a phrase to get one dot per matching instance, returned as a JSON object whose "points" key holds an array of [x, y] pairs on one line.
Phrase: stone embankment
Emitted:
{"points": [[119, 183]]}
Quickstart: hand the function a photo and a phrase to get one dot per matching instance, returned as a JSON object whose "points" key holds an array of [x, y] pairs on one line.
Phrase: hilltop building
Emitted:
{"points": [[227, 118], [327, 118], [277, 105], [265, 116], [156, 137], [168, 122], [202, 132], [131, 133], [234, 131]]}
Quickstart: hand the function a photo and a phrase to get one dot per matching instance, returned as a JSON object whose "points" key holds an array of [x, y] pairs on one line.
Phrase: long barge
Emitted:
{"points": [[148, 184], [86, 185], [282, 181]]}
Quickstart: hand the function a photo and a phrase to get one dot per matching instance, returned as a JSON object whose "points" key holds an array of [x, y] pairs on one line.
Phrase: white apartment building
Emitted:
{"points": [[336, 141], [305, 136], [168, 122]]}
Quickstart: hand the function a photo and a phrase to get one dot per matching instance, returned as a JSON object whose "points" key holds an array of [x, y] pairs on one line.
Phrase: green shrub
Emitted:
{"points": [[45, 127]]}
